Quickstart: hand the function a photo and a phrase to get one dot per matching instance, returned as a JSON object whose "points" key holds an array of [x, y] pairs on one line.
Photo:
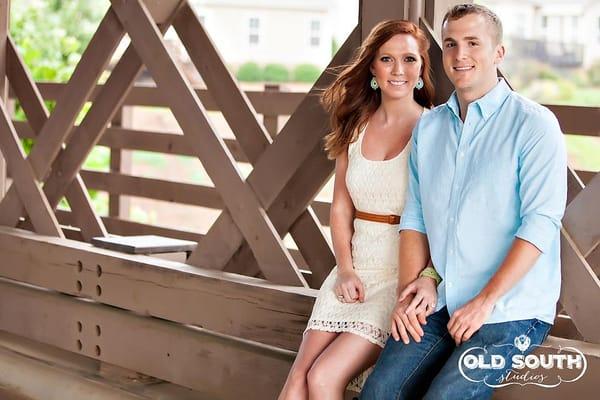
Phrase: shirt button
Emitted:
{"points": [[462, 154], [449, 284], [451, 219]]}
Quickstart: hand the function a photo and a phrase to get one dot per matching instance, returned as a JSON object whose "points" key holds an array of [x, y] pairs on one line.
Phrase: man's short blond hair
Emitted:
{"points": [[460, 10]]}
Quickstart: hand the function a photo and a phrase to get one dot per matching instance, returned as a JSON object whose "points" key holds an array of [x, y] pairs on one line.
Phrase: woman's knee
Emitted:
{"points": [[318, 378]]}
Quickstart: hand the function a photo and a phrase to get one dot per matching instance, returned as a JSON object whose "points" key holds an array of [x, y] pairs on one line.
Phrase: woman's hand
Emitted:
{"points": [[405, 323], [348, 286], [424, 290]]}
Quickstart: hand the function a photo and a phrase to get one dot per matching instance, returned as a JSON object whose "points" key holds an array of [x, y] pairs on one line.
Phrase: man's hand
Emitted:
{"points": [[469, 318], [424, 290], [405, 323]]}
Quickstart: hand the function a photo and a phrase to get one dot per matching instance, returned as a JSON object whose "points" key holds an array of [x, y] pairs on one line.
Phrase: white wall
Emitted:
{"points": [[283, 35]]}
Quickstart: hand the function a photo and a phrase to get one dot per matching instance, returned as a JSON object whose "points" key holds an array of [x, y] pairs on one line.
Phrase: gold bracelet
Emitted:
{"points": [[430, 272]]}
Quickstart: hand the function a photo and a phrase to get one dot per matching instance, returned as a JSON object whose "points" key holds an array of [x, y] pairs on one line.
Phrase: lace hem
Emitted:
{"points": [[362, 329]]}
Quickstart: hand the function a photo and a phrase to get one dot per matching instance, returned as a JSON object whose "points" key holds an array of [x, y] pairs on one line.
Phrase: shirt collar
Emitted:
{"points": [[488, 104]]}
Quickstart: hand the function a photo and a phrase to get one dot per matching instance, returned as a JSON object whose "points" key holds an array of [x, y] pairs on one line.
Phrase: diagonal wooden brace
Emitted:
{"points": [[250, 217], [37, 115], [251, 135], [294, 150], [88, 133], [55, 131], [24, 180]]}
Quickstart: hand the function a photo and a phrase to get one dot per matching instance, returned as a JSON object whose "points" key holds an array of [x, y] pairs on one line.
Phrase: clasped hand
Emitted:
{"points": [[415, 302]]}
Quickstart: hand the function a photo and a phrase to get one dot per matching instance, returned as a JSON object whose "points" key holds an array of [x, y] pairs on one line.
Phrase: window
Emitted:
{"points": [[315, 33], [253, 35], [544, 21]]}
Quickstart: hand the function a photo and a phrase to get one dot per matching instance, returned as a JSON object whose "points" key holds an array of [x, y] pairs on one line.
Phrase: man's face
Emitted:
{"points": [[470, 52]]}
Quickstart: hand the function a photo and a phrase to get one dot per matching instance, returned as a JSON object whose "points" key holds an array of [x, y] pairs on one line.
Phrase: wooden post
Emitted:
{"points": [[270, 120], [415, 10], [4, 22], [120, 162], [435, 11], [371, 12]]}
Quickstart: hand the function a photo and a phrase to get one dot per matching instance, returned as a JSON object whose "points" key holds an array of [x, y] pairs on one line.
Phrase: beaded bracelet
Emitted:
{"points": [[430, 272]]}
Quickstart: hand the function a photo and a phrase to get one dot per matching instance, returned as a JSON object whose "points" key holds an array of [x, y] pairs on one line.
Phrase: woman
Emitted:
{"points": [[374, 105]]}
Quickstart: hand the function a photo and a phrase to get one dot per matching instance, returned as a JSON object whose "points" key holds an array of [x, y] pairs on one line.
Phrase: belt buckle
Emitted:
{"points": [[390, 219]]}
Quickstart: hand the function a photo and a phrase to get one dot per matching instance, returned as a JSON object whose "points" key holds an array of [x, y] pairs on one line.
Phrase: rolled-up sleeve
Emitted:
{"points": [[543, 182], [412, 215]]}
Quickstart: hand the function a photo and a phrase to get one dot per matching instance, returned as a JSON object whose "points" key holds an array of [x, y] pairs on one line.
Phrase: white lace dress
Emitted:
{"points": [[377, 187]]}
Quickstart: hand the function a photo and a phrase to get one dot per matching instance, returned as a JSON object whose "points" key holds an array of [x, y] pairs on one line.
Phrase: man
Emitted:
{"points": [[487, 193]]}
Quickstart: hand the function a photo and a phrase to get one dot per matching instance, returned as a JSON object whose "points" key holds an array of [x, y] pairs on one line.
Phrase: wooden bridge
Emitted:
{"points": [[226, 323]]}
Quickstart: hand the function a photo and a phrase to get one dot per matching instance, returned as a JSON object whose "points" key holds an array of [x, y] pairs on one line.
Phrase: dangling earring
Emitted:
{"points": [[419, 84], [374, 84]]}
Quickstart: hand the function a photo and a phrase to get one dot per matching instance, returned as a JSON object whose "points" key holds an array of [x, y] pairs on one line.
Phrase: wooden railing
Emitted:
{"points": [[271, 103]]}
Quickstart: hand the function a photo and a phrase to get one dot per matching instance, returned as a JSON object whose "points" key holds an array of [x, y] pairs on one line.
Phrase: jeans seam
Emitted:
{"points": [[419, 365]]}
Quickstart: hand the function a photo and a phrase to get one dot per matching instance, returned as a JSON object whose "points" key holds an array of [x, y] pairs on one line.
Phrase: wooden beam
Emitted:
{"points": [[582, 219], [371, 12], [274, 259], [220, 367], [280, 103], [580, 290], [231, 304], [577, 119]]}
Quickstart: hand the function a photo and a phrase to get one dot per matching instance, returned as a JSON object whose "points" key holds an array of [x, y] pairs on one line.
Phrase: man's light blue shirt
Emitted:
{"points": [[476, 186]]}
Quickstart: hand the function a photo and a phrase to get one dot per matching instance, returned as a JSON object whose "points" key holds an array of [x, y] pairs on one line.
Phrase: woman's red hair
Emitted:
{"points": [[350, 100]]}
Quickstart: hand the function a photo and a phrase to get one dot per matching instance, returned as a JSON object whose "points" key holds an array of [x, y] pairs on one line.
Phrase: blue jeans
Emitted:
{"points": [[430, 369]]}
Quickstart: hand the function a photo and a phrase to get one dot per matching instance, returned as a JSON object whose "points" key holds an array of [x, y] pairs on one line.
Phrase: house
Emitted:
{"points": [[288, 32], [563, 33]]}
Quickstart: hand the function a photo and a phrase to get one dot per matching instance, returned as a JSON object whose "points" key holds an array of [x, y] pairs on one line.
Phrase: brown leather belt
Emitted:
{"points": [[386, 219]]}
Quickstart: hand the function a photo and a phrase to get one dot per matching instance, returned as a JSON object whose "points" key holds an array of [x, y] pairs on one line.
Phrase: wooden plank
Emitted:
{"points": [[371, 12], [144, 244], [580, 290], [25, 183], [280, 103], [55, 131], [131, 139], [221, 367], [274, 259], [120, 162], [124, 227], [231, 304], [158, 189], [577, 119], [582, 219], [415, 11], [303, 133]]}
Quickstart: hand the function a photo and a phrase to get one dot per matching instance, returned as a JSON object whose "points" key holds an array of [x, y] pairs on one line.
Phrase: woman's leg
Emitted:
{"points": [[346, 357], [313, 344]]}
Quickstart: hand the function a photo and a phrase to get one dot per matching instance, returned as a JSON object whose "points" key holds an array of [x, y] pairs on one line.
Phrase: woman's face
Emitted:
{"points": [[397, 66]]}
